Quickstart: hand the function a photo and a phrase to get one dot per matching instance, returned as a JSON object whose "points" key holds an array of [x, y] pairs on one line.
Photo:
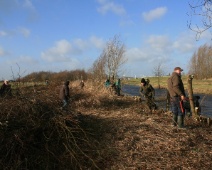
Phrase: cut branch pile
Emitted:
{"points": [[36, 134]]}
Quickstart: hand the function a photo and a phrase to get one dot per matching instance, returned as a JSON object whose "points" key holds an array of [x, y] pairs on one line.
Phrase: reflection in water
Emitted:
{"points": [[205, 100]]}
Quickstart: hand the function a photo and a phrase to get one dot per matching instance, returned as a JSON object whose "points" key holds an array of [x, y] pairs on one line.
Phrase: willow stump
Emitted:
{"points": [[190, 95]]}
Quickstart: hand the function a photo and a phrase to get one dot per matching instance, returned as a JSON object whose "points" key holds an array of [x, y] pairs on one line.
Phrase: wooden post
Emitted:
{"points": [[190, 95]]}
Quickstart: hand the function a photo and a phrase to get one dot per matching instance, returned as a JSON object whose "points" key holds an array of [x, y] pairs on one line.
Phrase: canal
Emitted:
{"points": [[160, 98]]}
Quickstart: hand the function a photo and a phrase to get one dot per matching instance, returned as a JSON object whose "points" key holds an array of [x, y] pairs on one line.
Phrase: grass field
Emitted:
{"points": [[199, 86]]}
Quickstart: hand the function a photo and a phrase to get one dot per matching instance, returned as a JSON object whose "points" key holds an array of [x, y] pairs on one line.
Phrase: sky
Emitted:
{"points": [[58, 35]]}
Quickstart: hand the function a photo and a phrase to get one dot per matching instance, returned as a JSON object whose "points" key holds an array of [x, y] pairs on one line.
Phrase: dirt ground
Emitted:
{"points": [[130, 138]]}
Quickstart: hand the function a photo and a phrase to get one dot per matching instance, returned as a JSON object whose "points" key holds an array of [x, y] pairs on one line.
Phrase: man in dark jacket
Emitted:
{"points": [[148, 92], [5, 88], [82, 84], [64, 94], [177, 95]]}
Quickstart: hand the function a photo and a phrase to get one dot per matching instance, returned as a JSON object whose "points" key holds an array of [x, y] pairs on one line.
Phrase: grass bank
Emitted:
{"points": [[199, 86]]}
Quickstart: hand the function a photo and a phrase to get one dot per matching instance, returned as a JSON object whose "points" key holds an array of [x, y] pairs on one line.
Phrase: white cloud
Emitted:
{"points": [[60, 52], [159, 43], [65, 50], [162, 47], [18, 31], [136, 54], [154, 14], [185, 43], [93, 42], [97, 42], [80, 44], [108, 5], [26, 60]]}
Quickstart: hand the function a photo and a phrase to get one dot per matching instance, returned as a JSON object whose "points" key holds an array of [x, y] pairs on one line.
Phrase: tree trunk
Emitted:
{"points": [[190, 95]]}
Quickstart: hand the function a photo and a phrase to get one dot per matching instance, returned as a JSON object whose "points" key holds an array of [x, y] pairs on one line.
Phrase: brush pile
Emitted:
{"points": [[99, 131], [36, 134]]}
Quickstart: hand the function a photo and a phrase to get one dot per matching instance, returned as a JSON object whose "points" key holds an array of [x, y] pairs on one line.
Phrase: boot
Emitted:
{"points": [[180, 121], [174, 120]]}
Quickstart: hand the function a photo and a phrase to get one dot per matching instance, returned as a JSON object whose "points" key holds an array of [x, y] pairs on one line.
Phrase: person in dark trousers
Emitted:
{"points": [[118, 87], [64, 94], [5, 89], [177, 95], [148, 92], [82, 84]]}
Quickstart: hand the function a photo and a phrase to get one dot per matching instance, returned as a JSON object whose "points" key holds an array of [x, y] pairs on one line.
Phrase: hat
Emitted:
{"points": [[178, 68], [143, 80]]}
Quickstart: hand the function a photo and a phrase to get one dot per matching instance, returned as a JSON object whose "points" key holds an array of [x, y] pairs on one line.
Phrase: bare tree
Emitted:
{"points": [[110, 61], [98, 68], [158, 71], [114, 56], [200, 62], [201, 11]]}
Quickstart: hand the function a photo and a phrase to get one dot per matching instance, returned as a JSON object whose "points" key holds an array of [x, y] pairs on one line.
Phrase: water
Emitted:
{"points": [[205, 100]]}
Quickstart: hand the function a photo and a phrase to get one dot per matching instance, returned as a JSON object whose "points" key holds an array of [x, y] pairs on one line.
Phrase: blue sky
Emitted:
{"points": [[57, 35]]}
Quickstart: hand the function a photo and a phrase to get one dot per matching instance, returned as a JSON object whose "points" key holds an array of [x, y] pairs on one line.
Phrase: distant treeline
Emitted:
{"points": [[201, 62], [55, 76]]}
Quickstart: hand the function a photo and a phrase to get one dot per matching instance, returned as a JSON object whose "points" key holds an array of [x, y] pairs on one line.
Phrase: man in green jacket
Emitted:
{"points": [[148, 92], [177, 95]]}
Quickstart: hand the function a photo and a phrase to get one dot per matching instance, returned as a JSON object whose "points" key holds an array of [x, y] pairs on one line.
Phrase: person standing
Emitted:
{"points": [[118, 87], [107, 83], [82, 84], [5, 88], [64, 94], [177, 95], [148, 92]]}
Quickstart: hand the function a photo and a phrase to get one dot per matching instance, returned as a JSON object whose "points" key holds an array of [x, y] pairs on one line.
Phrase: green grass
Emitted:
{"points": [[199, 86]]}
